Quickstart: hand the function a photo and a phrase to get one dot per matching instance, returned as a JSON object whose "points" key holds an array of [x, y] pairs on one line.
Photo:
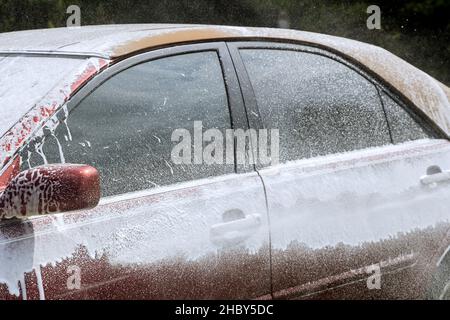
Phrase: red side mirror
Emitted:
{"points": [[50, 189]]}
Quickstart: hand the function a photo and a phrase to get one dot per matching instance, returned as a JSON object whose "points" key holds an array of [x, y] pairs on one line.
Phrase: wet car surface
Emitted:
{"points": [[357, 207]]}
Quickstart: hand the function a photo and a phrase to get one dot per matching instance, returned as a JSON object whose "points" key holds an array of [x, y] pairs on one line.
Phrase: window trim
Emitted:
{"points": [[250, 102]]}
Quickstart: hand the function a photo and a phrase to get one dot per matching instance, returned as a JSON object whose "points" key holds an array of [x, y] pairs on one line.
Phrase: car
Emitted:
{"points": [[356, 205]]}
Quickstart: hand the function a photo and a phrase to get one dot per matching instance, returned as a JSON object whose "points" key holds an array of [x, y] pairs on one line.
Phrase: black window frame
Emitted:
{"points": [[250, 102]]}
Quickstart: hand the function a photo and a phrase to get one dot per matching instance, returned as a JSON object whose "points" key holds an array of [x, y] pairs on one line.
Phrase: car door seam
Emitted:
{"points": [[270, 233]]}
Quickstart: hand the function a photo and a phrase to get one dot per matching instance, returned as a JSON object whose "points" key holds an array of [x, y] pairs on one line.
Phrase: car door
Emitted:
{"points": [[174, 221], [358, 203]]}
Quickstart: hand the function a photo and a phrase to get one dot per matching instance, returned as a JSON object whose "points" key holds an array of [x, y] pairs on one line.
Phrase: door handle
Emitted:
{"points": [[434, 176], [235, 231]]}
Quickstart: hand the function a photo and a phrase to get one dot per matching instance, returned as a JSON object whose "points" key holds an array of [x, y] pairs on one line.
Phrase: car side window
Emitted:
{"points": [[124, 127], [404, 127], [319, 105]]}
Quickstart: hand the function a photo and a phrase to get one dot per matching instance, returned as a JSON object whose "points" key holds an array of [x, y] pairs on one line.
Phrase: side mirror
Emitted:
{"points": [[50, 189]]}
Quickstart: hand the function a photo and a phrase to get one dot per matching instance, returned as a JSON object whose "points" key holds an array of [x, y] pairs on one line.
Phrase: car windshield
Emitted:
{"points": [[24, 80]]}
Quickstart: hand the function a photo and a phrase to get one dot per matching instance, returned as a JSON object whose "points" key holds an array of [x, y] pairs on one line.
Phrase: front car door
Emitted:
{"points": [[164, 229], [358, 205]]}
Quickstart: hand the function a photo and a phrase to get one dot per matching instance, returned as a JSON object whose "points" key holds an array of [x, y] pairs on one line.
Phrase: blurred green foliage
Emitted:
{"points": [[417, 31]]}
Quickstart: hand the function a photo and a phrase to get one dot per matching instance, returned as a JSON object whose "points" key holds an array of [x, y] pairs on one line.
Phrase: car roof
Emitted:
{"points": [[117, 41]]}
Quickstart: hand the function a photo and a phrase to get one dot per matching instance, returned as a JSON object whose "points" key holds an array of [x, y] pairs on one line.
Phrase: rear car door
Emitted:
{"points": [[164, 229], [358, 203]]}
